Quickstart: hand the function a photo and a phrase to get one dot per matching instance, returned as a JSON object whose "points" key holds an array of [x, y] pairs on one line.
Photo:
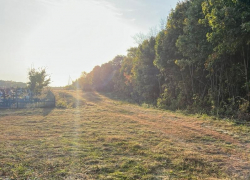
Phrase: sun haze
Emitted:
{"points": [[70, 36]]}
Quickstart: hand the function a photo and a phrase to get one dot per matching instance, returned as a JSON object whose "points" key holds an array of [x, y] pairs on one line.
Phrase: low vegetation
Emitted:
{"points": [[96, 137]]}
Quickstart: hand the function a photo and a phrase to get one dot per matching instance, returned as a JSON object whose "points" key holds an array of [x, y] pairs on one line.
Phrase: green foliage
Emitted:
{"points": [[101, 78], [38, 79], [145, 73], [61, 104], [198, 62], [66, 100]]}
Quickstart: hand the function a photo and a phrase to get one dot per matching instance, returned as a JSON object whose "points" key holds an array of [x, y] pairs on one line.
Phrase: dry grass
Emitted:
{"points": [[95, 137]]}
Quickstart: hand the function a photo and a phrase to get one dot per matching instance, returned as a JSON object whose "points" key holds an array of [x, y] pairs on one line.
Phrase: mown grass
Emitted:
{"points": [[95, 137]]}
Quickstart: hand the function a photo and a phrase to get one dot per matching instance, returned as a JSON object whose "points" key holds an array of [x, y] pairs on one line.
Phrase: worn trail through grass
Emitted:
{"points": [[100, 137]]}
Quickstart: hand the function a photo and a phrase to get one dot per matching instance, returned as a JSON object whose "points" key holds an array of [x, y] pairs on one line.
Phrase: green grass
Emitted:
{"points": [[100, 138]]}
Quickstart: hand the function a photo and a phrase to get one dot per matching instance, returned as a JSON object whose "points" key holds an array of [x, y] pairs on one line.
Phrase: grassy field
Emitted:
{"points": [[91, 136]]}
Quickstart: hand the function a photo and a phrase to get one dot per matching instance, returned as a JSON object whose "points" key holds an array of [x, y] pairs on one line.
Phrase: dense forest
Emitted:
{"points": [[199, 62]]}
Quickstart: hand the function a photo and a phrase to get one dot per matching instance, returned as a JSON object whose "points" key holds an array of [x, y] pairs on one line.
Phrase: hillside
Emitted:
{"points": [[8, 84], [96, 137]]}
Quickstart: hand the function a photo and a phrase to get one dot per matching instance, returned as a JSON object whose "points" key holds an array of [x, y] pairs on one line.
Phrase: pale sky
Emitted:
{"points": [[71, 36]]}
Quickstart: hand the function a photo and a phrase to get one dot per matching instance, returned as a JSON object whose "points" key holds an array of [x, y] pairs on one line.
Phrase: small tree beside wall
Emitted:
{"points": [[38, 79]]}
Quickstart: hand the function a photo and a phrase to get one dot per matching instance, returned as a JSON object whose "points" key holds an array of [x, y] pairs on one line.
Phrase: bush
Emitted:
{"points": [[61, 104]]}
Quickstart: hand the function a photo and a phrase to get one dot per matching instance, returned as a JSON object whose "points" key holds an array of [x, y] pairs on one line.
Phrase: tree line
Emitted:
{"points": [[198, 62], [9, 84]]}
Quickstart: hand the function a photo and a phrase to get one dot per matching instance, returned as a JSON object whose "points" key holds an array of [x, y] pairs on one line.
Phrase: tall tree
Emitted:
{"points": [[230, 35], [123, 81], [145, 73], [174, 88], [195, 49]]}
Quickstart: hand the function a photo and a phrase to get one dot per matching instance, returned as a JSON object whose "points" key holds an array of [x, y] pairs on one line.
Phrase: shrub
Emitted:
{"points": [[61, 104]]}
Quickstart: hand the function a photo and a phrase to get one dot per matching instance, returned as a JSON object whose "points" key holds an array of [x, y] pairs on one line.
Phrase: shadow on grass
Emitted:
{"points": [[118, 97], [47, 111]]}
